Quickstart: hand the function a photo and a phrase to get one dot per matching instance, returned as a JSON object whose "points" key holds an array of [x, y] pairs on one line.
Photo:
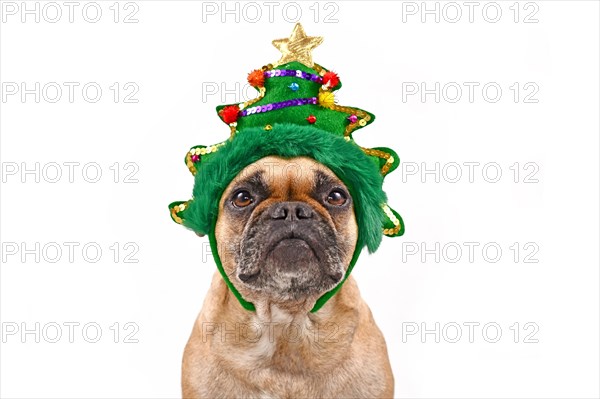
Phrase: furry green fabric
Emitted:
{"points": [[359, 172]]}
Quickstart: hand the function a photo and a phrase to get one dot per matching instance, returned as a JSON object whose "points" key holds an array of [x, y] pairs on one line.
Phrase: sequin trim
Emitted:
{"points": [[393, 219], [293, 73], [389, 159], [259, 109]]}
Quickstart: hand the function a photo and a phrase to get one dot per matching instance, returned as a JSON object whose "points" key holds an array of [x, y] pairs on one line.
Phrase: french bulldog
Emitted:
{"points": [[286, 233]]}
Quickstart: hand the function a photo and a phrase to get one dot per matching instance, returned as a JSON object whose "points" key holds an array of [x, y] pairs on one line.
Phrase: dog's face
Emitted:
{"points": [[286, 230]]}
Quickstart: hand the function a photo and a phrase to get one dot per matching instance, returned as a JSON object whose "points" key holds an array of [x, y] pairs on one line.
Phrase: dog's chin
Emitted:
{"points": [[292, 270]]}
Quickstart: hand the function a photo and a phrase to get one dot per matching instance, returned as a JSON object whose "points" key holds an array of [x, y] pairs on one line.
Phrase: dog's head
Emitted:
{"points": [[286, 230]]}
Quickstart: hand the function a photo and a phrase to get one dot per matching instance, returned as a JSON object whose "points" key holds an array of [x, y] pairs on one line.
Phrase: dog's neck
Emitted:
{"points": [[285, 313], [288, 336], [268, 310], [273, 312]]}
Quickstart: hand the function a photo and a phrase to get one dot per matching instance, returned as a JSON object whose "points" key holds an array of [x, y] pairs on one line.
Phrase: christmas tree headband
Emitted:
{"points": [[295, 114]]}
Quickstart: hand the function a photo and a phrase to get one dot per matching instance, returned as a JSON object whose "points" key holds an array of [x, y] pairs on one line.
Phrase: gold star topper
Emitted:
{"points": [[298, 47]]}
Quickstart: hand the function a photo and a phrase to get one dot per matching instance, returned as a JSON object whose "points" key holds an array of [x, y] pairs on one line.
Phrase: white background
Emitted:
{"points": [[173, 54]]}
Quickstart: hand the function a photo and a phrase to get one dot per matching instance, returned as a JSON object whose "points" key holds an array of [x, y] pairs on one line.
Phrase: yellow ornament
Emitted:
{"points": [[326, 99]]}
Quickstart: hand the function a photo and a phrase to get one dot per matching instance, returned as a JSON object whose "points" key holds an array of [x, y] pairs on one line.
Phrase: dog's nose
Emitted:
{"points": [[291, 210]]}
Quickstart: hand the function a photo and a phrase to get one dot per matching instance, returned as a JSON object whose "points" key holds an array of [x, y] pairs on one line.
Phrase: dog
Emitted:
{"points": [[286, 232]]}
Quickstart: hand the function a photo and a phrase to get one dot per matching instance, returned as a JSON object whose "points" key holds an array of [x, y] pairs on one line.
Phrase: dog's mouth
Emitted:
{"points": [[294, 263], [289, 255], [291, 245]]}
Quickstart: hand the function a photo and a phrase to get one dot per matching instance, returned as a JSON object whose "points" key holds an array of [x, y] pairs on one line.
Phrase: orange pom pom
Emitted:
{"points": [[256, 78]]}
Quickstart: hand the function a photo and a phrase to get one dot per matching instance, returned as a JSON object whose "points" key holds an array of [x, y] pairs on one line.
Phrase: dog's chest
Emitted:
{"points": [[331, 355], [291, 358], [282, 343], [347, 381]]}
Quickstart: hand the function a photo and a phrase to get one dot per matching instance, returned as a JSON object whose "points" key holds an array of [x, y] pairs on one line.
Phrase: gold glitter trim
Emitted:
{"points": [[393, 219], [190, 164], [320, 70], [364, 117], [200, 151], [389, 159], [178, 208]]}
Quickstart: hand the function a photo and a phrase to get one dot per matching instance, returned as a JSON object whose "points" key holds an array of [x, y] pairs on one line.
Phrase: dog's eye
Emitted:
{"points": [[242, 199], [337, 198]]}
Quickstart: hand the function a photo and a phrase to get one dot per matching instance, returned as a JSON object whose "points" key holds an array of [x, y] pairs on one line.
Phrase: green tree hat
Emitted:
{"points": [[295, 114]]}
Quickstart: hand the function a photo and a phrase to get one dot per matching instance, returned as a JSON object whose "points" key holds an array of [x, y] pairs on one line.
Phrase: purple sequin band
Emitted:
{"points": [[259, 109], [293, 72]]}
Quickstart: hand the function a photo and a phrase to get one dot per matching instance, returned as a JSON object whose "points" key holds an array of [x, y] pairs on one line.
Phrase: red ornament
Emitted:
{"points": [[229, 114], [331, 79], [311, 119], [256, 78], [195, 158]]}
